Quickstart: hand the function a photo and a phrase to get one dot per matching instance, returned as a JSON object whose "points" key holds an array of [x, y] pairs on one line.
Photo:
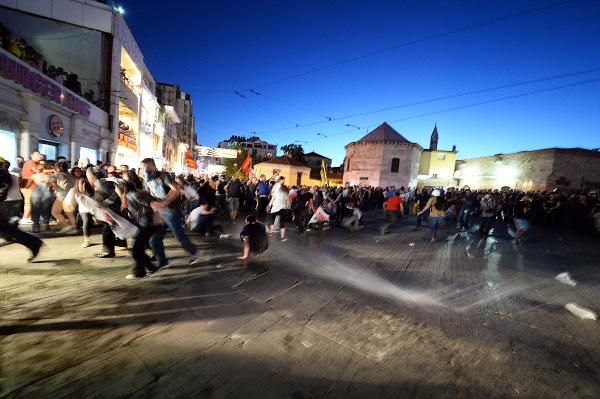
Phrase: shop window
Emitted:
{"points": [[395, 165], [48, 149], [441, 157], [8, 144]]}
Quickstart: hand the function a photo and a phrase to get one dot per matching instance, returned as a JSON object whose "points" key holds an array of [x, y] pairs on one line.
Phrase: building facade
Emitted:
{"points": [[53, 93], [258, 149], [570, 169], [296, 173], [74, 84], [382, 158], [171, 94], [436, 167]]}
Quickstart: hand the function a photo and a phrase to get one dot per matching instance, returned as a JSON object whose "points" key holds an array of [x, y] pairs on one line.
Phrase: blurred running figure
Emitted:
{"points": [[393, 208], [436, 204], [162, 187]]}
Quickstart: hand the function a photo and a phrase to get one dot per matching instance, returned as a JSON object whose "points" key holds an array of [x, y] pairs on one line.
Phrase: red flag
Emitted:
{"points": [[246, 164], [189, 161]]}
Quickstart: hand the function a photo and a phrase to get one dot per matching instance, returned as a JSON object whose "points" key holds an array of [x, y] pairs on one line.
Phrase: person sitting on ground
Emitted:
{"points": [[254, 237], [201, 221]]}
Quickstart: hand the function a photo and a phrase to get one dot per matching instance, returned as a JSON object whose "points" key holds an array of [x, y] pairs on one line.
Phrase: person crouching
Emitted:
{"points": [[254, 237]]}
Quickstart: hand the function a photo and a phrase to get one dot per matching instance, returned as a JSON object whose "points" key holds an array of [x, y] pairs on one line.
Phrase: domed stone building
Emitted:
{"points": [[382, 158]]}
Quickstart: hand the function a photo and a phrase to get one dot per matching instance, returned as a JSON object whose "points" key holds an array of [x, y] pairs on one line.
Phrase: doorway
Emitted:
{"points": [[48, 149], [299, 179]]}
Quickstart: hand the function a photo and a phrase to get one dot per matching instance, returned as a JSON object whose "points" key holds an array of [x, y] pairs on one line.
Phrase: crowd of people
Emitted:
{"points": [[21, 49], [143, 204]]}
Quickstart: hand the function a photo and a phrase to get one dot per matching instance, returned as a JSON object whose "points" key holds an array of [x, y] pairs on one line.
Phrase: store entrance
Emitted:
{"points": [[48, 149]]}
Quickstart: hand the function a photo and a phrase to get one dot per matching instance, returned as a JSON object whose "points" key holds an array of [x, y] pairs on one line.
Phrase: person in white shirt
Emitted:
{"points": [[279, 206]]}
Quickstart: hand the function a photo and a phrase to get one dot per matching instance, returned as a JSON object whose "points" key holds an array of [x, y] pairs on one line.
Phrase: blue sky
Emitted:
{"points": [[213, 48]]}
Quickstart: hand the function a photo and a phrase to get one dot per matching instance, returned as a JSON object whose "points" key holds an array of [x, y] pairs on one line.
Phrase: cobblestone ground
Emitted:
{"points": [[327, 315]]}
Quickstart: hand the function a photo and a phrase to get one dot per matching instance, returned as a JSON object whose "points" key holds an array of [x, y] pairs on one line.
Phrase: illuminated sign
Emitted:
{"points": [[31, 79], [216, 152], [55, 125]]}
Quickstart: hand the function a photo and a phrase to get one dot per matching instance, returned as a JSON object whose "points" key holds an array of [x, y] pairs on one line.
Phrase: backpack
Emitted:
{"points": [[5, 183]]}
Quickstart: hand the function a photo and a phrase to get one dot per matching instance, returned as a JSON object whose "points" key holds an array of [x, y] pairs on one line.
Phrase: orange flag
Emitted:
{"points": [[246, 164], [189, 161]]}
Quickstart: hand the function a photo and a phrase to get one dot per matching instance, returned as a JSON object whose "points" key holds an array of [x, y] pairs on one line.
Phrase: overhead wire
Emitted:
{"points": [[412, 42], [445, 97], [495, 100]]}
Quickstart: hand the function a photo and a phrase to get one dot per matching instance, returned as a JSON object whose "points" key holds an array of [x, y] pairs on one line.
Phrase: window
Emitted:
{"points": [[441, 157], [395, 165], [347, 165], [363, 178]]}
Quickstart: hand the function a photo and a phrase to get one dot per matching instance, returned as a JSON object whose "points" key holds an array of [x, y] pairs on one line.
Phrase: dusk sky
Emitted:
{"points": [[440, 49]]}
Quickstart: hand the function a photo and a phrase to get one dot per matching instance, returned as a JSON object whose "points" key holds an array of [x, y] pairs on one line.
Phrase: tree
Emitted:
{"points": [[233, 165], [294, 150]]}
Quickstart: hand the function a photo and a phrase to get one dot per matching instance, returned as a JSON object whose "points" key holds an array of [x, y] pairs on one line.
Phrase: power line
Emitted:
{"points": [[495, 100], [411, 42], [446, 97]]}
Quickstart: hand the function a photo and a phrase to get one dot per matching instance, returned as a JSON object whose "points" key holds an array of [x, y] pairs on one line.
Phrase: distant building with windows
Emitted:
{"points": [[314, 162], [258, 149], [382, 158]]}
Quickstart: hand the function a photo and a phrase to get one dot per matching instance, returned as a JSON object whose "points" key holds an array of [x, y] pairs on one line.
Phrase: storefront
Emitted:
{"points": [[37, 113]]}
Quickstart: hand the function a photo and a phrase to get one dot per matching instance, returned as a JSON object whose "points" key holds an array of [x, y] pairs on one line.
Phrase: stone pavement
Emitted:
{"points": [[327, 315]]}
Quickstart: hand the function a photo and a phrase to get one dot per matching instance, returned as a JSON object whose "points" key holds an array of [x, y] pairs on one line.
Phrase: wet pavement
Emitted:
{"points": [[332, 314]]}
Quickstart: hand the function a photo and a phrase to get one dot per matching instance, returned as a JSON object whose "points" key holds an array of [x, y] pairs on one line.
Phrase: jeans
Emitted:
{"points": [[422, 217], [41, 202], [434, 223], [156, 243], [86, 220], [174, 220], [463, 217]]}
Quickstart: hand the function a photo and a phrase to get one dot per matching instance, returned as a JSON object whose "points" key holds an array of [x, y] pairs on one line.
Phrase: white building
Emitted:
{"points": [[64, 92], [52, 55]]}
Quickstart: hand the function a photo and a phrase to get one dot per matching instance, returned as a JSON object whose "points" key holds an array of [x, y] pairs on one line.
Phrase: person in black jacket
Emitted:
{"points": [[10, 231], [142, 214]]}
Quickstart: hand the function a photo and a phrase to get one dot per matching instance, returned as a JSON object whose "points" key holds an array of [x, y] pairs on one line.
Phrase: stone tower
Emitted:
{"points": [[434, 139]]}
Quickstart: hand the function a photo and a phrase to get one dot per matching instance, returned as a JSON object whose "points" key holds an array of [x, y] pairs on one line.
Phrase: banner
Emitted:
{"points": [[324, 174], [189, 160], [246, 164], [216, 152]]}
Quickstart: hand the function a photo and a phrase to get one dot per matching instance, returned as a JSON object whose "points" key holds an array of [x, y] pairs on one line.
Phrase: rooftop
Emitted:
{"points": [[285, 160], [383, 133]]}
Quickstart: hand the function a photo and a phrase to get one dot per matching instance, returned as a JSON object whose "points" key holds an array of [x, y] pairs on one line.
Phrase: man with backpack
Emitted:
{"points": [[10, 231], [163, 188]]}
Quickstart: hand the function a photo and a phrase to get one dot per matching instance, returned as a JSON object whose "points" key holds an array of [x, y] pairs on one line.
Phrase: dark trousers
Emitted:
{"points": [[86, 220], [11, 232], [485, 225], [108, 238], [261, 208], [142, 260]]}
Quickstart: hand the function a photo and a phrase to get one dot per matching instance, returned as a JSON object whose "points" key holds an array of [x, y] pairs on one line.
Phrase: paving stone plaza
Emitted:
{"points": [[331, 314]]}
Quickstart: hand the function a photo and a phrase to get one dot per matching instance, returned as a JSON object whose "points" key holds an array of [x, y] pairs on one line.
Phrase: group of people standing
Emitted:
{"points": [[144, 204]]}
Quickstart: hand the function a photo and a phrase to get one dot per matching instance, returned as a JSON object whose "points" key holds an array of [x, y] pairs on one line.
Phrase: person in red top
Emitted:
{"points": [[393, 208], [27, 184]]}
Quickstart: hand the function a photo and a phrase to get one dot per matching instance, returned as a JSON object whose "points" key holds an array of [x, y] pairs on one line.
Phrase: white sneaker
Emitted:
{"points": [[133, 277], [25, 221], [225, 236], [86, 244], [194, 260]]}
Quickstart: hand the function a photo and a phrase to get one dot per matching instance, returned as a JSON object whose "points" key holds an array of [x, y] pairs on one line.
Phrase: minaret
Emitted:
{"points": [[434, 139]]}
